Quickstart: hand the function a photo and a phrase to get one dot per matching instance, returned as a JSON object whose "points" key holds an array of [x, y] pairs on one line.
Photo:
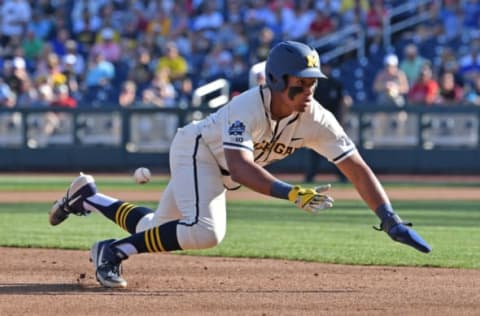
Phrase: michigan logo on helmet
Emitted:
{"points": [[312, 61]]}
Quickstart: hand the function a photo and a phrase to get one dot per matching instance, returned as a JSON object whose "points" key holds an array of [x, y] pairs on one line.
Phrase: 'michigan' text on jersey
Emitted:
{"points": [[246, 123]]}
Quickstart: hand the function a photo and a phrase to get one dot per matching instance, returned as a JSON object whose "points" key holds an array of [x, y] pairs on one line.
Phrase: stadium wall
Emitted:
{"points": [[413, 139]]}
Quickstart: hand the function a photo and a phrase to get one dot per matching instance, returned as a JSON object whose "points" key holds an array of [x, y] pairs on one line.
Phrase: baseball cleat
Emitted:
{"points": [[108, 264], [81, 188]]}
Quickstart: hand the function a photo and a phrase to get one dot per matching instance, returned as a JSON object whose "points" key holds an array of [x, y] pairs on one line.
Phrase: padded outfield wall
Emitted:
{"points": [[413, 139]]}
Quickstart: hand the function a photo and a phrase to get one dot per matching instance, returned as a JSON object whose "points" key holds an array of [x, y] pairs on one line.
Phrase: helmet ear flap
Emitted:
{"points": [[275, 83]]}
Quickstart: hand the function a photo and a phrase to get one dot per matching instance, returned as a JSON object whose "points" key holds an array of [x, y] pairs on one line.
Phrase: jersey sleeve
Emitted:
{"points": [[239, 124], [329, 139]]}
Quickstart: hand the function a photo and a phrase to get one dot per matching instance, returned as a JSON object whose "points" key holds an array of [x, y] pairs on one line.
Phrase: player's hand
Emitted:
{"points": [[311, 200], [403, 233]]}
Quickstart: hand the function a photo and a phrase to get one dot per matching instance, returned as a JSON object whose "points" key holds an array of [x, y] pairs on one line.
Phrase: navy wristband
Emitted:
{"points": [[280, 189], [385, 211]]}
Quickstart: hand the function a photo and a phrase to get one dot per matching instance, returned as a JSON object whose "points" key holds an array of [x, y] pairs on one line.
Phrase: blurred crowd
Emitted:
{"points": [[111, 53], [448, 80]]}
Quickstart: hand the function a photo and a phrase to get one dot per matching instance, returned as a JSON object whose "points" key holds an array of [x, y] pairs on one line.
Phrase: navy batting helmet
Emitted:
{"points": [[293, 59]]}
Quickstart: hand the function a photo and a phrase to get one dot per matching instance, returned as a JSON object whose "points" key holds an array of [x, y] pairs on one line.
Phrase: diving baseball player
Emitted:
{"points": [[227, 149]]}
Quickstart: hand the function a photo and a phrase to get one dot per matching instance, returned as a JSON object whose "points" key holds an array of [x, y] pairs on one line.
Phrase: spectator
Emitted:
{"points": [[73, 79], [128, 94], [141, 72], [354, 12], [161, 92], [28, 96], [217, 62], [107, 46], [74, 59], [257, 16], [391, 84], [209, 20], [471, 15], [45, 93], [41, 25], [185, 93], [448, 62], [330, 8], [82, 7], [100, 71], [62, 98], [98, 89], [179, 20], [237, 74], [374, 26], [235, 12], [15, 74], [298, 27], [59, 42], [450, 92], [55, 76], [14, 18], [472, 92], [425, 91], [469, 65], [452, 17], [7, 96], [412, 63], [233, 37], [262, 46], [160, 25], [32, 46], [85, 30], [172, 61], [322, 25]]}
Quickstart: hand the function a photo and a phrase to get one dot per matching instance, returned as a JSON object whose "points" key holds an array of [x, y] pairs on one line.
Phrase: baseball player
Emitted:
{"points": [[227, 149]]}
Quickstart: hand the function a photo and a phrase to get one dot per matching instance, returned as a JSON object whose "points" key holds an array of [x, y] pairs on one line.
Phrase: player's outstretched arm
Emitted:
{"points": [[246, 172], [372, 192]]}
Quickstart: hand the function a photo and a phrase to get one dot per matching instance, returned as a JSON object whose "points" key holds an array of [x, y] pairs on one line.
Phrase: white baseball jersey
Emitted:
{"points": [[199, 175], [246, 124]]}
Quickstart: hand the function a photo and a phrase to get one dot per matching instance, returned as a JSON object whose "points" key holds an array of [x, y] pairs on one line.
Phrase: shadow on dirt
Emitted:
{"points": [[69, 289]]}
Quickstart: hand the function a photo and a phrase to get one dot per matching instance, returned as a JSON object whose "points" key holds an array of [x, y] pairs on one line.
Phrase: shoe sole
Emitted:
{"points": [[53, 216], [94, 255], [76, 185]]}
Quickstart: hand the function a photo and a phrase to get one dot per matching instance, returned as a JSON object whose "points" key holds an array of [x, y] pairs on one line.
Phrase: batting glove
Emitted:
{"points": [[311, 200], [400, 231]]}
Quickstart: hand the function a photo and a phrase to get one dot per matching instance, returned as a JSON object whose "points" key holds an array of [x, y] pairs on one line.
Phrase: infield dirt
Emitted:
{"points": [[62, 282]]}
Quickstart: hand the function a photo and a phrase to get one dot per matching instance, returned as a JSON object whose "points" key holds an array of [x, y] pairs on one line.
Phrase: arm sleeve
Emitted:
{"points": [[329, 139]]}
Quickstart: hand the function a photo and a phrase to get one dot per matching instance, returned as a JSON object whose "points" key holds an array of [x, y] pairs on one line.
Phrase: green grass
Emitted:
{"points": [[55, 183], [275, 229], [45, 183]]}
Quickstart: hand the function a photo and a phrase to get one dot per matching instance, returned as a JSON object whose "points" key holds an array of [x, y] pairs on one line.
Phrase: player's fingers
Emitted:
{"points": [[322, 202], [323, 198], [323, 188]]}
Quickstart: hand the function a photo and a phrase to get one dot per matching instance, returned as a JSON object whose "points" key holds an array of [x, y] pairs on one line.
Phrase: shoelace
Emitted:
{"points": [[68, 209], [113, 270]]}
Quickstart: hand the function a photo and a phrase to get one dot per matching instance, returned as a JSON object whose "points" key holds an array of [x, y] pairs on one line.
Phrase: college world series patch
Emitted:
{"points": [[236, 129]]}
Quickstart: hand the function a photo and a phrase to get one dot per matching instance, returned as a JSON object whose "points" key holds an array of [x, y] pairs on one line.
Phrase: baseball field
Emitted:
{"points": [[275, 259]]}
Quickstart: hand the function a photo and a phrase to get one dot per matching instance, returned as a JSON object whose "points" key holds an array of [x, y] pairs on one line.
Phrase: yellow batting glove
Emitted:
{"points": [[311, 200]]}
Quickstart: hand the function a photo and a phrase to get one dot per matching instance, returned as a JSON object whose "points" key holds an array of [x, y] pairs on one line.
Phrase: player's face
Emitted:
{"points": [[299, 92]]}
